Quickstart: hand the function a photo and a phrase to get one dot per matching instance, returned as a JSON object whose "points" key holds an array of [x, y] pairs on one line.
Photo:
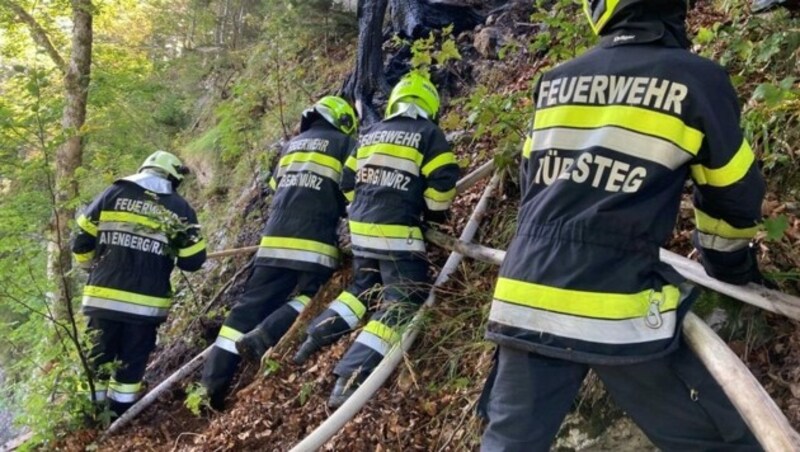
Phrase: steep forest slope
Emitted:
{"points": [[223, 83]]}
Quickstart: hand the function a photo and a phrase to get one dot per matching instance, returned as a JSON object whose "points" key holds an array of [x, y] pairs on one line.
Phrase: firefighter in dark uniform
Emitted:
{"points": [[130, 239], [299, 243], [616, 134], [403, 172]]}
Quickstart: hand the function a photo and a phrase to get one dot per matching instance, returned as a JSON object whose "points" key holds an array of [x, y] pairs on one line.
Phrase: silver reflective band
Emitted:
{"points": [[297, 306], [226, 344], [628, 331], [100, 395], [383, 243], [617, 139], [312, 167], [121, 306], [345, 313], [374, 342], [389, 162], [297, 255], [114, 226], [437, 205], [717, 243], [122, 397]]}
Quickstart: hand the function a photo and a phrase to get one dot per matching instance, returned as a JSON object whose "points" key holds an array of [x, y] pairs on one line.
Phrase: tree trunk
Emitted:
{"points": [[411, 19], [69, 155]]}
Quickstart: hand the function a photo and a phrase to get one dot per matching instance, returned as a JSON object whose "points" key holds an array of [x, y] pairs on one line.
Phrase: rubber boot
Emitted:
{"points": [[342, 390], [309, 347], [253, 345]]}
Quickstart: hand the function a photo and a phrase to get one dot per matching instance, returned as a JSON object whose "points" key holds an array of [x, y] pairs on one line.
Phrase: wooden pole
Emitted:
{"points": [[758, 410]]}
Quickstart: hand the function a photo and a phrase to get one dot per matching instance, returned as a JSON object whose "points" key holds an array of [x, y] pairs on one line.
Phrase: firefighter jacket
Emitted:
{"points": [[300, 233], [616, 134], [403, 170], [133, 234]]}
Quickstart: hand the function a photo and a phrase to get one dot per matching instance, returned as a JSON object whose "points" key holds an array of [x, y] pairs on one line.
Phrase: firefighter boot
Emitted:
{"points": [[343, 389], [253, 345], [309, 347]]}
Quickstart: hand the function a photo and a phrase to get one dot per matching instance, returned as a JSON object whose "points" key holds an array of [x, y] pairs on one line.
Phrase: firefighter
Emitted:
{"points": [[404, 173], [130, 239], [299, 243], [616, 134]]}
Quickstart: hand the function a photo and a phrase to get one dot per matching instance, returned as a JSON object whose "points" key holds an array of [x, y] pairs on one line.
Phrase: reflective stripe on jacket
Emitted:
{"points": [[615, 136]]}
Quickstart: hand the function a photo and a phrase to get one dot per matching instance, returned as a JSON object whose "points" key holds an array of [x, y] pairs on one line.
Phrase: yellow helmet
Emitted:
{"points": [[417, 89], [336, 111], [600, 12], [166, 162]]}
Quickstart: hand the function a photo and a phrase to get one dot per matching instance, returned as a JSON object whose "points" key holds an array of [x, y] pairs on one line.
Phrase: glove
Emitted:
{"points": [[738, 267]]}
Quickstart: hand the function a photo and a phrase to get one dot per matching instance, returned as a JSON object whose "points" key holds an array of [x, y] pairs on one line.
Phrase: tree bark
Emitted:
{"points": [[410, 19], [38, 33], [69, 155]]}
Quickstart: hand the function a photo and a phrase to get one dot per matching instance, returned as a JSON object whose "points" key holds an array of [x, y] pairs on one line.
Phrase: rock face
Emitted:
{"points": [[488, 42]]}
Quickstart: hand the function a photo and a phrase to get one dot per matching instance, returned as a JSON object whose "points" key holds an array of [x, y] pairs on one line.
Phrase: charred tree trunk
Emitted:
{"points": [[410, 19], [69, 155]]}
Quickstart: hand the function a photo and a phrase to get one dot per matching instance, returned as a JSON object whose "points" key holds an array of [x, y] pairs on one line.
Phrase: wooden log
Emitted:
{"points": [[232, 252], [364, 393], [758, 410]]}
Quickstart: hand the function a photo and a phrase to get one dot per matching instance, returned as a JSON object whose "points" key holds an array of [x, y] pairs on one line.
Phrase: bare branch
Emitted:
{"points": [[38, 33]]}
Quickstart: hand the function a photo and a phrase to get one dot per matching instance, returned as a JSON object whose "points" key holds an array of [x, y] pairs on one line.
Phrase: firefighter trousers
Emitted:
{"points": [[130, 344], [397, 286], [674, 400], [267, 290]]}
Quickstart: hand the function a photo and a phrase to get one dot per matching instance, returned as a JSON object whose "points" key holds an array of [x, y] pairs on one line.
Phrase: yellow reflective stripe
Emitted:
{"points": [[349, 195], [273, 184], [128, 297], [125, 388], [440, 196], [596, 305], [86, 224], [385, 230], [352, 302], [127, 217], [230, 333], [446, 158], [638, 119], [383, 331], [192, 250], [303, 299], [710, 225], [730, 173], [351, 163], [527, 147], [393, 150], [82, 258], [300, 244], [316, 157]]}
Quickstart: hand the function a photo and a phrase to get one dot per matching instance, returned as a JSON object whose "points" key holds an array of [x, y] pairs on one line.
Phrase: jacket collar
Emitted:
{"points": [[641, 26]]}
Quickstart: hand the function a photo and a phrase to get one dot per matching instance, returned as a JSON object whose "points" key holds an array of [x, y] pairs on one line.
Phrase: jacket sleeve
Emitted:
{"points": [[350, 167], [728, 190], [83, 246], [440, 172], [190, 245]]}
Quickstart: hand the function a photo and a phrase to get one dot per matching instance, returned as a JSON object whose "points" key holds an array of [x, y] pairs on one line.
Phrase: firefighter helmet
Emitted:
{"points": [[600, 12], [417, 89], [166, 162], [336, 111]]}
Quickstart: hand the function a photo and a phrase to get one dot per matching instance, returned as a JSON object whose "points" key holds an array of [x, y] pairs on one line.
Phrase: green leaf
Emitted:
{"points": [[776, 227]]}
